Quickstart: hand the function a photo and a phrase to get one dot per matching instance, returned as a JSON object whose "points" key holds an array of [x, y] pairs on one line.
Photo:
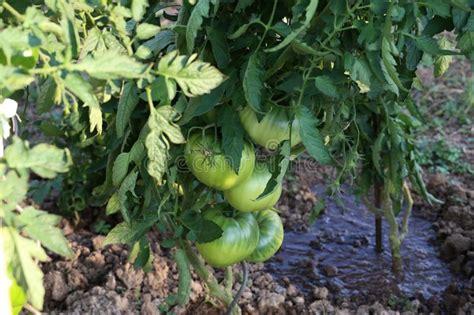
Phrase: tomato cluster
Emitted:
{"points": [[252, 228]]}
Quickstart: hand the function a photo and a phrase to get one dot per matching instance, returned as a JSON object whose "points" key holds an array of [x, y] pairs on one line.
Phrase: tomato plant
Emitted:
{"points": [[132, 79]]}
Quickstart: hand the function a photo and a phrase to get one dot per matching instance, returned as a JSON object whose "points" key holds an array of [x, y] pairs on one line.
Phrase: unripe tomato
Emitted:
{"points": [[272, 129], [271, 235], [206, 160], [239, 239], [243, 196]]}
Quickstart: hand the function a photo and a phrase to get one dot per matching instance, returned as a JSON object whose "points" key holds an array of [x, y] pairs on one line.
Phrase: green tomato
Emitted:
{"points": [[272, 129], [271, 235], [206, 160], [239, 239], [244, 196]]}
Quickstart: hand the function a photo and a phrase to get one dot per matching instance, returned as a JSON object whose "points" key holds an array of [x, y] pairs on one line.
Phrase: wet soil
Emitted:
{"points": [[338, 252]]}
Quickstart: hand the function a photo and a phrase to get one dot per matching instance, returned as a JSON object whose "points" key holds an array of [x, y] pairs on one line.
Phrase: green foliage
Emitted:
{"points": [[21, 226]]}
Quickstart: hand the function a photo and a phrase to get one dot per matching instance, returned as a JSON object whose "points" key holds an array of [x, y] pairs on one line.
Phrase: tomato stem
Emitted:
{"points": [[241, 289]]}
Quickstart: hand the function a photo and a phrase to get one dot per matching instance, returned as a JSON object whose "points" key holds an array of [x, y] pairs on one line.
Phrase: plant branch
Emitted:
{"points": [[241, 289], [13, 11], [215, 289], [229, 279], [406, 217]]}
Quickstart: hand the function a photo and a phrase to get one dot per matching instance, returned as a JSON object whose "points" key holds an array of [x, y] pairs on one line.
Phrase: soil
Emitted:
{"points": [[99, 280]]}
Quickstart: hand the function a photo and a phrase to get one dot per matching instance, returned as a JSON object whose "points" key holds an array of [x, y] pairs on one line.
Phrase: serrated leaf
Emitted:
{"points": [[13, 79], [439, 7], [220, 47], [441, 63], [46, 95], [17, 296], [153, 46], [21, 254], [139, 9], [309, 14], [203, 230], [232, 135], [243, 4], [69, 28], [127, 103], [113, 205], [91, 43], [428, 44], [111, 65], [127, 186], [41, 226], [163, 90], [125, 233], [326, 86], [388, 64], [195, 77], [310, 136], [146, 31], [81, 88], [200, 105], [165, 120], [120, 168], [278, 169], [199, 12], [253, 82], [157, 152], [44, 159]]}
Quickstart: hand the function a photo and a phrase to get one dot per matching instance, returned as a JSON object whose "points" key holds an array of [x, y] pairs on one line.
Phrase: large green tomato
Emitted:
{"points": [[206, 160], [238, 241], [271, 235], [244, 196], [272, 129]]}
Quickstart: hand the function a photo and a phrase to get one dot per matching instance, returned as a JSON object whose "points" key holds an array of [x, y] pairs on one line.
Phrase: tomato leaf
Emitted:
{"points": [[41, 226], [204, 230], [153, 46], [200, 11], [310, 11], [312, 139], [253, 82], [81, 88], [127, 103], [46, 95], [232, 135], [21, 254], [120, 169], [195, 77], [326, 85], [279, 166], [139, 9]]}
